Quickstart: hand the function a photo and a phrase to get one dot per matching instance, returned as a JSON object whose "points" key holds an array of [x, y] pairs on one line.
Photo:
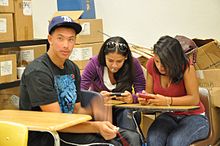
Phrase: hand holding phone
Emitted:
{"points": [[116, 94], [145, 96]]}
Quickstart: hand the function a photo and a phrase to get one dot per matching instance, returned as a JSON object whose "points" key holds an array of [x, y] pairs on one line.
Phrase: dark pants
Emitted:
{"points": [[123, 118], [46, 139]]}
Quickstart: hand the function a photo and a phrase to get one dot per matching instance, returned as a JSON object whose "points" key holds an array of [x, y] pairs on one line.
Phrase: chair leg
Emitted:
{"points": [[138, 129]]}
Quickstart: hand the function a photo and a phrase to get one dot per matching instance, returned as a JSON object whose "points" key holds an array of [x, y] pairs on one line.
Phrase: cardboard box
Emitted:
{"points": [[7, 6], [7, 100], [210, 79], [6, 28], [91, 28], [215, 94], [208, 56], [146, 121], [82, 53], [11, 91], [87, 6], [13, 50], [8, 68], [29, 53], [23, 23]]}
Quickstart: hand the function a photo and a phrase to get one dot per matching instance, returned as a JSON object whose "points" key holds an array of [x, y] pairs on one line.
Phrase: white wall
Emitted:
{"points": [[142, 22], [42, 12]]}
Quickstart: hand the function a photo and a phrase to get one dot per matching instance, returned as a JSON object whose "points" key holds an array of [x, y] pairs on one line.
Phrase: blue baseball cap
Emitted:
{"points": [[65, 21]]}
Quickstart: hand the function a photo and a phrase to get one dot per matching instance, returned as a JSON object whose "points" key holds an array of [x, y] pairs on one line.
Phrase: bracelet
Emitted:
{"points": [[167, 100]]}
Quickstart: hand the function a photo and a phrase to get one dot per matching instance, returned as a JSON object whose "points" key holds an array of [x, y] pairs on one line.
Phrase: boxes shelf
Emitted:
{"points": [[16, 83], [23, 43], [9, 84]]}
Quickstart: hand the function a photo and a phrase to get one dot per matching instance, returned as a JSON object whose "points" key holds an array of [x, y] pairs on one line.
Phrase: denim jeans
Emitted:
{"points": [[123, 118], [131, 137], [177, 130]]}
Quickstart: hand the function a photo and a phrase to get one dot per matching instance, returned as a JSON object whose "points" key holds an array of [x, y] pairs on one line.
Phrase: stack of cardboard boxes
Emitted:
{"points": [[6, 20], [15, 25], [89, 41], [15, 20], [7, 62], [208, 70], [208, 56]]}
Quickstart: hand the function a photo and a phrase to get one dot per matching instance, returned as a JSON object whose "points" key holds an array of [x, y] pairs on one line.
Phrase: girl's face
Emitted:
{"points": [[114, 61], [159, 65]]}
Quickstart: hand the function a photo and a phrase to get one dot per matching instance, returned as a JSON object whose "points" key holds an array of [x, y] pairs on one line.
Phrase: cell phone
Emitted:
{"points": [[116, 94], [145, 95]]}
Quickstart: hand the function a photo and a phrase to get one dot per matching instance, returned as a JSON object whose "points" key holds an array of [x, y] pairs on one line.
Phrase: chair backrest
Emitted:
{"points": [[13, 134], [206, 100]]}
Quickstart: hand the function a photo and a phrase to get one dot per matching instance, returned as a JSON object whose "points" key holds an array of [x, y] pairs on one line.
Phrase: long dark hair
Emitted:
{"points": [[172, 57], [124, 77]]}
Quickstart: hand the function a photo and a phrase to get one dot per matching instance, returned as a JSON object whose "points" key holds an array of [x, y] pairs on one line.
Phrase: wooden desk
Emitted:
{"points": [[44, 121], [113, 102], [156, 108]]}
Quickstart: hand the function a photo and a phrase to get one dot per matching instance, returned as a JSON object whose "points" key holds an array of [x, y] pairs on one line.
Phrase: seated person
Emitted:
{"points": [[51, 83], [115, 70], [171, 80]]}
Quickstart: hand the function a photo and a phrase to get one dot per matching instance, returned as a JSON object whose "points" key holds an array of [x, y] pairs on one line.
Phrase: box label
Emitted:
{"points": [[81, 53], [27, 55], [4, 3], [85, 29], [27, 8], [3, 25], [6, 68]]}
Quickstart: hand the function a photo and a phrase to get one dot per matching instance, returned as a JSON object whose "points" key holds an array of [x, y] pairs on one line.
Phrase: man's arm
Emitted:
{"points": [[52, 107], [106, 129]]}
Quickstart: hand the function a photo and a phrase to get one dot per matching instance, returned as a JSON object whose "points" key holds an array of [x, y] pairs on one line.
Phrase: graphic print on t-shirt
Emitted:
{"points": [[66, 91]]}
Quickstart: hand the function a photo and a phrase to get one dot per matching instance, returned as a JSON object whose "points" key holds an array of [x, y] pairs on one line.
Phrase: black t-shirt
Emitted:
{"points": [[44, 83]]}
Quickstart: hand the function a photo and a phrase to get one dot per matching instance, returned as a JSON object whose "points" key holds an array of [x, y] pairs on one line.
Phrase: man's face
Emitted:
{"points": [[62, 42]]}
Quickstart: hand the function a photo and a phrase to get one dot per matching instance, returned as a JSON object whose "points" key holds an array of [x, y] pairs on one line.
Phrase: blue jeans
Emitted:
{"points": [[179, 130], [123, 118]]}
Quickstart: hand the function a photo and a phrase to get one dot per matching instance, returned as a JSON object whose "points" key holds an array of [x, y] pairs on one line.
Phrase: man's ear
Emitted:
{"points": [[49, 37]]}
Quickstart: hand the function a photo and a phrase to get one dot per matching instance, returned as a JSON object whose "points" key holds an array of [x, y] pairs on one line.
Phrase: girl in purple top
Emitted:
{"points": [[171, 80], [115, 70]]}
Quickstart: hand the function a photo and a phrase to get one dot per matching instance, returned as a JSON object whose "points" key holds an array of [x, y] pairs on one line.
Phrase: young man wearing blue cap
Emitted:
{"points": [[51, 84]]}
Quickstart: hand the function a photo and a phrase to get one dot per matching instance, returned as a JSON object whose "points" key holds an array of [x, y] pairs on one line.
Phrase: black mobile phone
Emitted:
{"points": [[116, 94]]}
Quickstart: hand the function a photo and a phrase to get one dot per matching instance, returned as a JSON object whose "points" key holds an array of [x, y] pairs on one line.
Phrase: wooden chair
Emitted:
{"points": [[213, 116], [13, 134]]}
